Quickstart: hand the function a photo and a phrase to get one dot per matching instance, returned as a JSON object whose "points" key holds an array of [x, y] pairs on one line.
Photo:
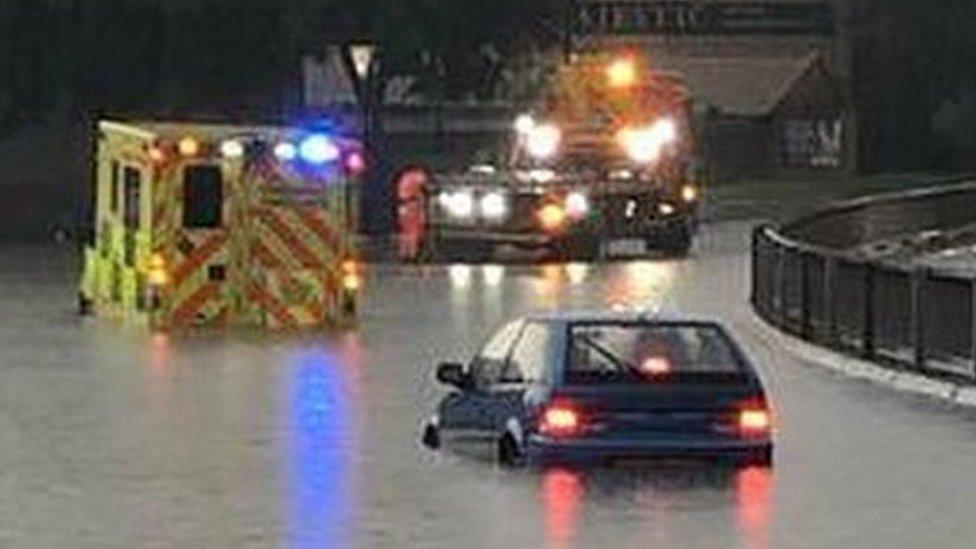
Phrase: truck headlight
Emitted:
{"points": [[493, 206], [689, 193], [524, 124], [577, 204], [542, 141], [644, 144], [552, 217], [665, 208], [458, 203]]}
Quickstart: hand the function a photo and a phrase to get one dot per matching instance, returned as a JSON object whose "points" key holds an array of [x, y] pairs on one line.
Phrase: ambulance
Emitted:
{"points": [[219, 225]]}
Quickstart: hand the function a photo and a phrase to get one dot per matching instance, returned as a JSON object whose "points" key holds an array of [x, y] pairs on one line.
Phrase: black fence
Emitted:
{"points": [[907, 316]]}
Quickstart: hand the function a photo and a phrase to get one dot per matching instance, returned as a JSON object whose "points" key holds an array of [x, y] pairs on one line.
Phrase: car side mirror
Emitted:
{"points": [[452, 373]]}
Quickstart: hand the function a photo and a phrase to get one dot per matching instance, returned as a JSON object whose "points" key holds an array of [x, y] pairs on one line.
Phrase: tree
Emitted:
{"points": [[909, 57]]}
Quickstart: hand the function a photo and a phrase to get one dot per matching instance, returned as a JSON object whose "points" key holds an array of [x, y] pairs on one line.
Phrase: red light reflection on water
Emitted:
{"points": [[161, 371], [160, 353], [562, 493], [754, 495]]}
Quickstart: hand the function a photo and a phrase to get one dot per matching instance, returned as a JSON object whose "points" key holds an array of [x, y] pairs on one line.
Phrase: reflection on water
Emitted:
{"points": [[320, 446], [659, 497], [562, 490], [160, 372], [577, 272], [494, 274], [548, 281], [642, 283], [160, 352], [754, 493], [460, 276]]}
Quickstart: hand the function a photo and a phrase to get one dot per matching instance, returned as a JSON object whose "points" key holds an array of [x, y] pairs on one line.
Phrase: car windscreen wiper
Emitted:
{"points": [[610, 356]]}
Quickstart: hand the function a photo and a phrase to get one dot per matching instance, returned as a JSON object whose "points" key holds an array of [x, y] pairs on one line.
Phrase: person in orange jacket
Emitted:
{"points": [[411, 189]]}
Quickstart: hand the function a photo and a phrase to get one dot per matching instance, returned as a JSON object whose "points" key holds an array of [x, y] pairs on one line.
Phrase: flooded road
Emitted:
{"points": [[112, 437]]}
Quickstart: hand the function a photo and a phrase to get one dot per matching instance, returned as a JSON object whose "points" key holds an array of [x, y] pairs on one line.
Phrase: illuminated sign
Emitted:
{"points": [[630, 17]]}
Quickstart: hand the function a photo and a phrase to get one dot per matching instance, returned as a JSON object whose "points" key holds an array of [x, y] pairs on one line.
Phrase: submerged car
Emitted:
{"points": [[601, 388]]}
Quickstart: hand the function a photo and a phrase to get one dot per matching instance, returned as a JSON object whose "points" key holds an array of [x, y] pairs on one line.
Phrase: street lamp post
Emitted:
{"points": [[363, 56]]}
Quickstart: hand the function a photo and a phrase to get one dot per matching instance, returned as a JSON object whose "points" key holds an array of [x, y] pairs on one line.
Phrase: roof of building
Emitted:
{"points": [[739, 85]]}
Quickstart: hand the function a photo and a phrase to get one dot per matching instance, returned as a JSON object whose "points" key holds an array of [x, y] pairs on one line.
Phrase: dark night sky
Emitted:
{"points": [[73, 56]]}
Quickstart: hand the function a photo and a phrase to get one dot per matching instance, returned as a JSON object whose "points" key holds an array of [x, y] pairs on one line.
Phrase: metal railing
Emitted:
{"points": [[909, 316]]}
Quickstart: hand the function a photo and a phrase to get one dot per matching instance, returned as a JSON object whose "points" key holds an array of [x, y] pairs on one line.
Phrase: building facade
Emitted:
{"points": [[767, 77]]}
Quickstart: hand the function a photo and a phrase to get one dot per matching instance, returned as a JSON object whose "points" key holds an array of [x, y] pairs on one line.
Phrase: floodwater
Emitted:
{"points": [[113, 437]]}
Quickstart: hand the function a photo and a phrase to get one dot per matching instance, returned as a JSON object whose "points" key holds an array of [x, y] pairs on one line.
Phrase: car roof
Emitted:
{"points": [[649, 315]]}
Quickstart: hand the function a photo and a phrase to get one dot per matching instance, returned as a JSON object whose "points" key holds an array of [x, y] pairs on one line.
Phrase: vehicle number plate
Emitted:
{"points": [[625, 247]]}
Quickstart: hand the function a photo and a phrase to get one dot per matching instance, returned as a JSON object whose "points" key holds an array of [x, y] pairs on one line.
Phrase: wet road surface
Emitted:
{"points": [[111, 437]]}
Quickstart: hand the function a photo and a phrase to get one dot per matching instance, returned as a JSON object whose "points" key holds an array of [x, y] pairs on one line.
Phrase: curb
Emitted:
{"points": [[903, 382]]}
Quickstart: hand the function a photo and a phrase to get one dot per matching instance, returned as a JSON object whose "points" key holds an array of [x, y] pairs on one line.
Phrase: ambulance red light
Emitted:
{"points": [[355, 163], [157, 154]]}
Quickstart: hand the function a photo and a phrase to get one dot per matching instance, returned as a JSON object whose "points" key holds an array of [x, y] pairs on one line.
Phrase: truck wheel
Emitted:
{"points": [[431, 437], [578, 248], [680, 241]]}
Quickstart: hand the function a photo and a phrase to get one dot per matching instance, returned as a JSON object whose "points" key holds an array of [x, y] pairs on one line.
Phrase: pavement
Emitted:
{"points": [[113, 437], [789, 195]]}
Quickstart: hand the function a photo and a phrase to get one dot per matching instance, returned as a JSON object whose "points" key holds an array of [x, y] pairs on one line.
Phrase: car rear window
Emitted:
{"points": [[639, 353]]}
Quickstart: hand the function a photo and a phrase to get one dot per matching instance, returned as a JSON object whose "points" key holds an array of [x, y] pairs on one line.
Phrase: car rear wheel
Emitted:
{"points": [[679, 241], [509, 454], [465, 251], [580, 247], [431, 438]]}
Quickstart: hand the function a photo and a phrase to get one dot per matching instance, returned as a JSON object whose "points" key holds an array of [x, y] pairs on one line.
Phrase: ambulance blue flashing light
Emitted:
{"points": [[319, 149]]}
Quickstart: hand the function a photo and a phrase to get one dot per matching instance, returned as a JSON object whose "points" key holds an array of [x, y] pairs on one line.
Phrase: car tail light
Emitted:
{"points": [[560, 419], [754, 419]]}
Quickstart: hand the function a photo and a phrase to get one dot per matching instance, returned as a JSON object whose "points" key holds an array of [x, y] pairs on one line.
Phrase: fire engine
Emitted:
{"points": [[601, 167], [214, 224]]}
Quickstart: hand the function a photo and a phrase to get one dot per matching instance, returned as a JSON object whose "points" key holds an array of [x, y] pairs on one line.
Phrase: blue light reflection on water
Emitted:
{"points": [[320, 446]]}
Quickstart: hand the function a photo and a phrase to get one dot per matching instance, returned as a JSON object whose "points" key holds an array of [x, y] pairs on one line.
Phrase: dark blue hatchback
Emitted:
{"points": [[604, 387]]}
